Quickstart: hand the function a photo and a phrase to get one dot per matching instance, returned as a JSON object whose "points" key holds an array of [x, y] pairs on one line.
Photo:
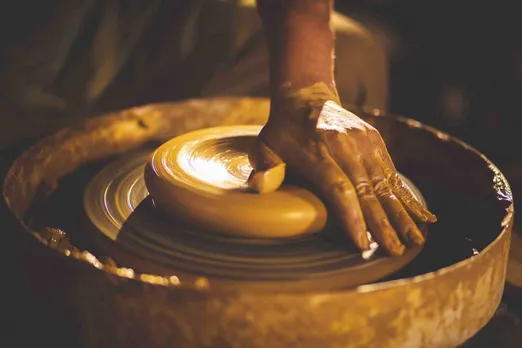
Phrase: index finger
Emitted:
{"points": [[339, 191]]}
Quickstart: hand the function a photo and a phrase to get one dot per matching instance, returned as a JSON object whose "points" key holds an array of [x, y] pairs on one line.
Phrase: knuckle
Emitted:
{"points": [[382, 187], [395, 180], [322, 150], [398, 215], [384, 223], [342, 187], [363, 188]]}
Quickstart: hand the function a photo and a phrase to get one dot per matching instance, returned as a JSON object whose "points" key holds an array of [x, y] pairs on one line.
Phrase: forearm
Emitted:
{"points": [[300, 42]]}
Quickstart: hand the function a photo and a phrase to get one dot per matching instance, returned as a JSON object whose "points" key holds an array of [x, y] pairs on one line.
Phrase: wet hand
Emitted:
{"points": [[346, 160]]}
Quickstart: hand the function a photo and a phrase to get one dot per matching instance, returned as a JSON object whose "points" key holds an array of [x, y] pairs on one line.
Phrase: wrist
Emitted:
{"points": [[291, 104]]}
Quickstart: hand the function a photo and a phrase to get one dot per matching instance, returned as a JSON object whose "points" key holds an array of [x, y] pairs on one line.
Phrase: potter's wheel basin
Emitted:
{"points": [[441, 299]]}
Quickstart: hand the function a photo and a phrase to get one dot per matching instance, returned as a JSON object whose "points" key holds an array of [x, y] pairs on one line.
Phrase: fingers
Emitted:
{"points": [[337, 189], [412, 205], [378, 222], [268, 169], [395, 210]]}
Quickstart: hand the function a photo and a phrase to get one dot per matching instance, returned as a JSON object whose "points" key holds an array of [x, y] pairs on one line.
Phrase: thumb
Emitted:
{"points": [[268, 169]]}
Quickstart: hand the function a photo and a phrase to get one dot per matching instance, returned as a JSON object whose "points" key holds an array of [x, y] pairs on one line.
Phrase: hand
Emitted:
{"points": [[347, 161]]}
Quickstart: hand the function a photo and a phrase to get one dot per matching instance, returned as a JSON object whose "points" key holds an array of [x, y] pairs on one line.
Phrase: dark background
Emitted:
{"points": [[456, 65]]}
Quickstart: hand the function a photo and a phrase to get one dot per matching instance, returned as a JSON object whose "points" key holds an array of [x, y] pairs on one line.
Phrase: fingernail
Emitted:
{"points": [[362, 242], [431, 218], [415, 236], [394, 245], [397, 250], [398, 245], [425, 216]]}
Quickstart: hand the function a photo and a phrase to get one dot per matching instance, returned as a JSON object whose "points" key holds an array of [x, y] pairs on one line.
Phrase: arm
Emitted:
{"points": [[300, 43], [344, 157]]}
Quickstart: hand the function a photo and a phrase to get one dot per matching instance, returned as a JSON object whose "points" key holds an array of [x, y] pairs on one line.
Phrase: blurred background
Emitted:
{"points": [[455, 65]]}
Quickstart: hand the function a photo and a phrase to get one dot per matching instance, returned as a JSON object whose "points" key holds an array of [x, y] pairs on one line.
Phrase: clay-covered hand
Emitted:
{"points": [[346, 160]]}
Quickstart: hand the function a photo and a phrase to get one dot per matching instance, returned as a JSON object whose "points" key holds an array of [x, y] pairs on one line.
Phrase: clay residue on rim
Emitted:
{"points": [[36, 173]]}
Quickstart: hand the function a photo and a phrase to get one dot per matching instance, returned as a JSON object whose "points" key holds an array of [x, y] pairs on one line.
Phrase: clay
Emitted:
{"points": [[269, 172], [201, 177]]}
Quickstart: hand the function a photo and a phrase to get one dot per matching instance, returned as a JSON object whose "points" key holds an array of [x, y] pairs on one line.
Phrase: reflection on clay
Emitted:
{"points": [[222, 163]]}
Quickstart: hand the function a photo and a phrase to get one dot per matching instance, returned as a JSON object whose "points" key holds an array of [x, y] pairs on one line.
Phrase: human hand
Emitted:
{"points": [[346, 160]]}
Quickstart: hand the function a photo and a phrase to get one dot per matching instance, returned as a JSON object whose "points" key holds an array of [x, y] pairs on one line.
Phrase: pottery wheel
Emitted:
{"points": [[118, 204]]}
